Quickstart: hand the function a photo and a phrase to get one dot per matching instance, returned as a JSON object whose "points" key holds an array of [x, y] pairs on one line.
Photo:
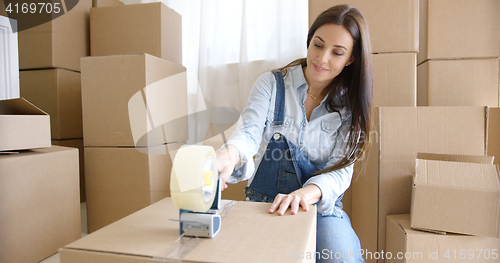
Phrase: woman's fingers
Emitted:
{"points": [[282, 202], [294, 205], [276, 203]]}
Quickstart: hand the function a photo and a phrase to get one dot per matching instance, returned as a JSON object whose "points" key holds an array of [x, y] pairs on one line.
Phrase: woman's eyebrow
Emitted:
{"points": [[339, 46], [320, 39]]}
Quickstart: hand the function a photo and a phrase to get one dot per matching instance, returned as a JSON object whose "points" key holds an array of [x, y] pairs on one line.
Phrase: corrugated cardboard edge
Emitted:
{"points": [[362, 186], [493, 136], [423, 84], [456, 158], [395, 236]]}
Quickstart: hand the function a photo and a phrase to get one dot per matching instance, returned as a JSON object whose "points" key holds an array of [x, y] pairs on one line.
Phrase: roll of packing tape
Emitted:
{"points": [[193, 180]]}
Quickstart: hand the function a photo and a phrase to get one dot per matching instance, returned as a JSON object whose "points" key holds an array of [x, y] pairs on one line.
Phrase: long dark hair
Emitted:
{"points": [[352, 88]]}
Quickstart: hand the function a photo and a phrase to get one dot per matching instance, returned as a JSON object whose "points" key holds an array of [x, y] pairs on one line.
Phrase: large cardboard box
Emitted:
{"points": [[142, 28], [385, 174], [39, 203], [405, 244], [460, 82], [136, 90], [393, 24], [24, 126], [493, 146], [394, 79], [150, 236], [444, 186], [59, 43], [76, 143], [57, 92], [121, 181], [459, 29]]}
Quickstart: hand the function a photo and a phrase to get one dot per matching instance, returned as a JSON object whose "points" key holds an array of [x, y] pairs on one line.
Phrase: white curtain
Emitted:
{"points": [[227, 44]]}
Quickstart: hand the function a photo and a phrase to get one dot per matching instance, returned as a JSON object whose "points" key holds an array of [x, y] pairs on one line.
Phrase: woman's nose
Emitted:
{"points": [[323, 57]]}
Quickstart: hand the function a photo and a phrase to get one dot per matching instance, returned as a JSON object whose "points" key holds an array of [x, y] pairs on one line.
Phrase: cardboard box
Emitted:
{"points": [[149, 236], [39, 203], [142, 28], [76, 143], [103, 3], [462, 82], [121, 181], [135, 90], [493, 146], [385, 174], [24, 126], [444, 187], [405, 244], [394, 79], [59, 43], [57, 92], [459, 29], [400, 16]]}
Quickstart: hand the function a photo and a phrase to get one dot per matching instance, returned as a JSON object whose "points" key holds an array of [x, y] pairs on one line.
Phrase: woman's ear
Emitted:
{"points": [[350, 61]]}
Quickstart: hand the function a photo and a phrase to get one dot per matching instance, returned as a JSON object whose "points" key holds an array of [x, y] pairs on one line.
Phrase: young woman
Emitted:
{"points": [[304, 127]]}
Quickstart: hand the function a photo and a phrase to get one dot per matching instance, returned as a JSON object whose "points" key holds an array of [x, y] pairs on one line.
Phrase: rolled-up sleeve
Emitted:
{"points": [[248, 135], [332, 185]]}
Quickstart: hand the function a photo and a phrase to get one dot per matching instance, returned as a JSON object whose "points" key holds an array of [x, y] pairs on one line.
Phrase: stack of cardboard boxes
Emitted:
{"points": [[382, 183], [450, 194], [49, 62], [134, 50], [39, 191], [458, 62]]}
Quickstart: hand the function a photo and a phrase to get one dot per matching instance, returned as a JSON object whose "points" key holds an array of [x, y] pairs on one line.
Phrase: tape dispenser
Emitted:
{"points": [[195, 190]]}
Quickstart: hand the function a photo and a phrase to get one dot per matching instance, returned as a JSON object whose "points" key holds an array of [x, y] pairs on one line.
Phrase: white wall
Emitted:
{"points": [[9, 60]]}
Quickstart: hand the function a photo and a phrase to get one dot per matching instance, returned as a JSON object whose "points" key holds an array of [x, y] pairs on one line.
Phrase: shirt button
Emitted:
{"points": [[327, 128], [286, 123], [276, 136], [303, 106], [304, 124]]}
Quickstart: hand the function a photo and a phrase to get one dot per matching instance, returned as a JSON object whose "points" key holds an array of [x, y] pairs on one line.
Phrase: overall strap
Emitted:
{"points": [[279, 108]]}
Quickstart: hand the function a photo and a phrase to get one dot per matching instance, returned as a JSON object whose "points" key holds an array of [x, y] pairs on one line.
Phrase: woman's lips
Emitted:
{"points": [[319, 69]]}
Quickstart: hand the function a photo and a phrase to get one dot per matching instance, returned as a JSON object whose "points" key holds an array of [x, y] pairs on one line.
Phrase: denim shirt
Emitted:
{"points": [[320, 139]]}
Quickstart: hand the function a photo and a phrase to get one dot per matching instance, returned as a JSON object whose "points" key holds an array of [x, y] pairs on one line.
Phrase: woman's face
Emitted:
{"points": [[329, 52]]}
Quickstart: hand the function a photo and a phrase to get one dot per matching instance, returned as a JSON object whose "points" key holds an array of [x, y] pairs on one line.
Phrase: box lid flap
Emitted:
{"points": [[456, 158], [19, 106], [458, 175]]}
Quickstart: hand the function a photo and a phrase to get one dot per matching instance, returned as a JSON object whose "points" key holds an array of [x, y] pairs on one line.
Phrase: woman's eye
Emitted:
{"points": [[316, 45], [338, 54]]}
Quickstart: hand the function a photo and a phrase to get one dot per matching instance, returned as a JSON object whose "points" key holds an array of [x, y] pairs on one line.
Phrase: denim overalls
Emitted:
{"points": [[284, 169]]}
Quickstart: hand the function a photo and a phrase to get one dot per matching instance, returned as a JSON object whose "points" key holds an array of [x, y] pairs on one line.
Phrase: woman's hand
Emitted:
{"points": [[227, 158], [282, 202], [304, 196]]}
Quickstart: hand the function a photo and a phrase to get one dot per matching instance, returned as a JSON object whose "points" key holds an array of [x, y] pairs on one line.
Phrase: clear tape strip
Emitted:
{"points": [[181, 247]]}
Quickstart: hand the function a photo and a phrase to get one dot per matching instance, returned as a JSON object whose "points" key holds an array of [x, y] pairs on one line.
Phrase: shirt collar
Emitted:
{"points": [[297, 75]]}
